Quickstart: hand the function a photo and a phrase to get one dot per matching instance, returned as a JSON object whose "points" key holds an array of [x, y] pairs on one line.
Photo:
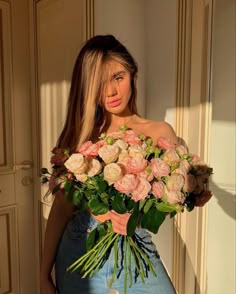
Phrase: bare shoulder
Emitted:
{"points": [[157, 129]]}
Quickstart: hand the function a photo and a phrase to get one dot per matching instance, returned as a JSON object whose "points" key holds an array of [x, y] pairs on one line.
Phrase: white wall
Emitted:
{"points": [[126, 21], [222, 214], [148, 30]]}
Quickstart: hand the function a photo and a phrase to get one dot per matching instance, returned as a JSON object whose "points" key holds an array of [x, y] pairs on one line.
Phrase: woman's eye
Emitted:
{"points": [[119, 78]]}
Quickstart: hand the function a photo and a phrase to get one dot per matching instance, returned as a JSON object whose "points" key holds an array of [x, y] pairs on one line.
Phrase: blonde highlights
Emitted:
{"points": [[85, 116]]}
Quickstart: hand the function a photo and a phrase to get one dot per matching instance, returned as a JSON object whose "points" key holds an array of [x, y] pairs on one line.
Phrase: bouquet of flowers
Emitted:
{"points": [[126, 172]]}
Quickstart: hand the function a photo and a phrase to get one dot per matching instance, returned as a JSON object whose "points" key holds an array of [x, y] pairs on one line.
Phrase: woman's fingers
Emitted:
{"points": [[102, 217], [119, 222]]}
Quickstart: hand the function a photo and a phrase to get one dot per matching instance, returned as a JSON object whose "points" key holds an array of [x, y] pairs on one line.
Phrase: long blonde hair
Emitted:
{"points": [[84, 112]]}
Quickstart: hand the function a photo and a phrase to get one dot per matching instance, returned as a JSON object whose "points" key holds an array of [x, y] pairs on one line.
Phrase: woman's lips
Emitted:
{"points": [[114, 103]]}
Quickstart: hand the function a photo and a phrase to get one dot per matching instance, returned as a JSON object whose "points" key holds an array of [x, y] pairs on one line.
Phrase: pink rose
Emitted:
{"points": [[112, 173], [147, 174], [183, 169], [116, 135], [190, 183], [131, 138], [175, 182], [94, 167], [83, 148], [137, 151], [165, 143], [159, 167], [171, 157], [136, 165], [181, 150], [126, 184], [76, 163], [174, 197], [123, 157], [158, 189], [141, 191], [109, 153]]}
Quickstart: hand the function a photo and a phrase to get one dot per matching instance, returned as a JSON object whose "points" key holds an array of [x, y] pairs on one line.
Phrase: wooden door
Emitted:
{"points": [[17, 241], [57, 30]]}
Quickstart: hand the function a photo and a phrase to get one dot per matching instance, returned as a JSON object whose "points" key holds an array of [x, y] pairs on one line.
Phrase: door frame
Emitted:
{"points": [[193, 108]]}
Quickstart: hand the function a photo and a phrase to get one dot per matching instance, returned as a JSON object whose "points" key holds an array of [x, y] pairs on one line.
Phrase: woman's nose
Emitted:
{"points": [[111, 89]]}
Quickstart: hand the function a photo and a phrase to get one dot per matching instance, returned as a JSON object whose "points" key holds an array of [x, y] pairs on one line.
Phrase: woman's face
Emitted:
{"points": [[117, 89]]}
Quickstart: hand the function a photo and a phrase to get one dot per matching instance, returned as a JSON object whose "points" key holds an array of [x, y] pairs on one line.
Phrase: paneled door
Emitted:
{"points": [[17, 239], [58, 29]]}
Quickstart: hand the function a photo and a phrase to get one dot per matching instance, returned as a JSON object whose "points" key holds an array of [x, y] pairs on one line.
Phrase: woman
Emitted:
{"points": [[102, 98]]}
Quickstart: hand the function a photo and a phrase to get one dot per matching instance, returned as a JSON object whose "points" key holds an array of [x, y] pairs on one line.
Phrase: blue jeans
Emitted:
{"points": [[72, 246]]}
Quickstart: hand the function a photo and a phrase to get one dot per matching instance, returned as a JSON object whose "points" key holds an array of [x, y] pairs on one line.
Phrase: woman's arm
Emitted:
{"points": [[60, 214]]}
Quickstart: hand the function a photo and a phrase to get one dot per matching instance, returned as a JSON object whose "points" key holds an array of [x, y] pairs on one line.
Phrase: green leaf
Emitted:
{"points": [[133, 220], [67, 186], [56, 188], [101, 231], [141, 204], [165, 207], [118, 204], [97, 207], [172, 214], [91, 239], [104, 197], [152, 220], [102, 186], [130, 204], [89, 194], [148, 205], [83, 205], [77, 196]]}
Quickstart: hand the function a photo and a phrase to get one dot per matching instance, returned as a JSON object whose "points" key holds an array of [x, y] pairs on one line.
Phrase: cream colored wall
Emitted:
{"points": [[148, 29], [126, 21], [160, 86], [221, 214]]}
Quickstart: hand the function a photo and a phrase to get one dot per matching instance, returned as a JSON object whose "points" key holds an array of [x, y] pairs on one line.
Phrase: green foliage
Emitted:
{"points": [[118, 204], [97, 207], [133, 220], [152, 220], [165, 207]]}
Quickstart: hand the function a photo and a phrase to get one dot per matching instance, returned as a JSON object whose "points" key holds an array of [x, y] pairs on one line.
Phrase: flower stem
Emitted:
{"points": [[115, 236], [80, 260]]}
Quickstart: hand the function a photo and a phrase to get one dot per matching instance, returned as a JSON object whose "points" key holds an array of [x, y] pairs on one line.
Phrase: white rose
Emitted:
{"points": [[109, 153], [121, 144], [76, 163], [137, 151], [112, 173], [123, 157], [81, 177], [94, 167]]}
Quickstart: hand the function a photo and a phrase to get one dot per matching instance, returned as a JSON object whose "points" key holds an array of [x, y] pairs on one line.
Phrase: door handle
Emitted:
{"points": [[26, 164]]}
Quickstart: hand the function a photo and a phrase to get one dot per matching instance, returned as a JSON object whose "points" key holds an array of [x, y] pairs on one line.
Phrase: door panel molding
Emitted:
{"points": [[6, 88], [193, 117], [9, 270]]}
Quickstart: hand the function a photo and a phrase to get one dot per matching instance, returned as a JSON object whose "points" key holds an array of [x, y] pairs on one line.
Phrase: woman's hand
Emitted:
{"points": [[119, 221], [203, 198], [47, 286]]}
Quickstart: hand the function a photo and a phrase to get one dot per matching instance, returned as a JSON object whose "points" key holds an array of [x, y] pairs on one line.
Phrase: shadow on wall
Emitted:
{"points": [[225, 199]]}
